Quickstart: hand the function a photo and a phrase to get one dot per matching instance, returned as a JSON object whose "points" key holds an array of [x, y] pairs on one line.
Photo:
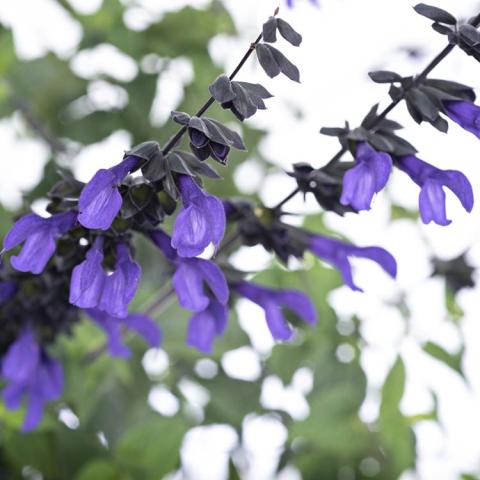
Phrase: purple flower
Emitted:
{"points": [[30, 372], [313, 2], [338, 253], [91, 287], [201, 222], [367, 177], [39, 236], [204, 326], [272, 302], [466, 114], [189, 281], [431, 180], [100, 200], [7, 291], [120, 287], [88, 278], [139, 323]]}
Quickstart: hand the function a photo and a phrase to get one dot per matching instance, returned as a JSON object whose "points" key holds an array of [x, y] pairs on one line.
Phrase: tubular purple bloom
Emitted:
{"points": [[100, 200], [40, 235], [139, 323], [201, 222], [206, 325], [313, 2], [88, 278], [191, 275], [431, 180], [337, 253], [367, 177], [30, 372], [120, 287], [466, 114], [189, 280], [272, 302]]}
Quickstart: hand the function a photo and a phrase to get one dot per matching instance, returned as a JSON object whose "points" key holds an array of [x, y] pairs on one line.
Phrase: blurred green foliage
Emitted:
{"points": [[119, 437]]}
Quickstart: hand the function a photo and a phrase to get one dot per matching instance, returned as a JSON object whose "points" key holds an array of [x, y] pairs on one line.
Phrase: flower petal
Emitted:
{"points": [[145, 327]]}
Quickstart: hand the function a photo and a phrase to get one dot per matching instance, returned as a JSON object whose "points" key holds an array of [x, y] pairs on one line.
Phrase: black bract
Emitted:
{"points": [[209, 138], [273, 24], [325, 183], [263, 226], [274, 62], [242, 98]]}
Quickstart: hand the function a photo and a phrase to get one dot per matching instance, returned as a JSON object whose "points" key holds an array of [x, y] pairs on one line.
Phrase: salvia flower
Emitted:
{"points": [[338, 253], [139, 323], [120, 287], [201, 221], [38, 236], [100, 200], [91, 287], [368, 177], [204, 326], [290, 3], [466, 114], [203, 147], [191, 277], [431, 180], [272, 301], [31, 373]]}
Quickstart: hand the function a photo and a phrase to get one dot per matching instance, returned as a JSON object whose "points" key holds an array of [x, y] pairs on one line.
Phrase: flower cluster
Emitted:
{"points": [[78, 260]]}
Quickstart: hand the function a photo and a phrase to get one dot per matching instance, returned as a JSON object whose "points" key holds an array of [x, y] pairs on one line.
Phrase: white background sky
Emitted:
{"points": [[342, 41]]}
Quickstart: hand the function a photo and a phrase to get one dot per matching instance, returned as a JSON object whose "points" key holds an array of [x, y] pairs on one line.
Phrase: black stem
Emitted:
{"points": [[178, 136], [383, 114]]}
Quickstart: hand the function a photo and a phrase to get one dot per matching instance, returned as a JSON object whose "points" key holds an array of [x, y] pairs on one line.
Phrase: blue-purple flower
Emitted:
{"points": [[201, 222], [466, 114], [191, 277], [39, 236], [431, 180], [139, 323], [272, 301], [91, 287], [368, 177], [31, 373], [100, 200], [338, 254], [204, 326], [313, 2]]}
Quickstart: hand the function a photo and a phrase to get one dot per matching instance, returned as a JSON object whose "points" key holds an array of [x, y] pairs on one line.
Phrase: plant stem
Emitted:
{"points": [[383, 114], [177, 137]]}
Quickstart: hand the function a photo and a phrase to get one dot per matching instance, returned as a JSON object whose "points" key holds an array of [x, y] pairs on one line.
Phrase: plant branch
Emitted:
{"points": [[383, 114], [177, 137]]}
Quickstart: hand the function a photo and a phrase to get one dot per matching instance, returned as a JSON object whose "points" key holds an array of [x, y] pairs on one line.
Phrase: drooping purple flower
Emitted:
{"points": [[431, 180], [191, 276], [368, 177], [466, 114], [31, 373], [290, 3], [91, 287], [39, 236], [7, 291], [139, 323], [120, 287], [100, 200], [189, 279], [88, 278], [338, 254], [272, 302], [205, 325], [201, 222]]}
